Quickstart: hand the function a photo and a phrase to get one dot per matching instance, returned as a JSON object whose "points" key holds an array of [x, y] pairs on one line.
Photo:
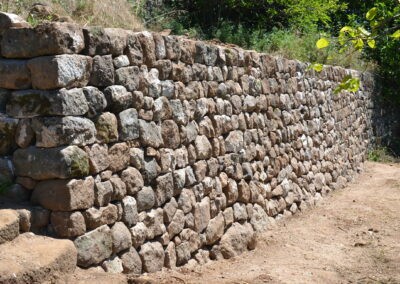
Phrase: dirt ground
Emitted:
{"points": [[352, 237]]}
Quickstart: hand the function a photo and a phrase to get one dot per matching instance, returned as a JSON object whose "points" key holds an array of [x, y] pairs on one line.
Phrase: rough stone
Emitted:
{"points": [[60, 71], [45, 39], [145, 199], [150, 134], [14, 74], [98, 157], [118, 98], [62, 162], [152, 256], [31, 103], [68, 224], [113, 265], [9, 225], [94, 246], [128, 125], [121, 237], [131, 262], [237, 239], [119, 157], [58, 131], [203, 147], [96, 217], [201, 215], [130, 211], [133, 180], [64, 195], [102, 74], [106, 128], [215, 229]]}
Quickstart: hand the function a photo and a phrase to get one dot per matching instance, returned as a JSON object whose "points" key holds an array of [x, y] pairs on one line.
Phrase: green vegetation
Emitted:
{"points": [[381, 154]]}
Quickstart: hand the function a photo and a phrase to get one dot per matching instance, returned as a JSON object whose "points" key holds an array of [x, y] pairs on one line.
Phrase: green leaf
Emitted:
{"points": [[396, 34], [322, 43], [329, 58], [345, 29], [315, 66], [371, 43], [364, 31], [371, 14], [348, 84]]}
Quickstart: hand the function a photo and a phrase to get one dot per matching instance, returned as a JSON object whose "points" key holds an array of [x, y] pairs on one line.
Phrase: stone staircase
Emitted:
{"points": [[28, 258]]}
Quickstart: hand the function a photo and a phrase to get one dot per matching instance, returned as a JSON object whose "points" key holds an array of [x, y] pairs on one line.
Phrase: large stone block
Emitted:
{"points": [[103, 41], [8, 20], [57, 131], [14, 74], [45, 39], [94, 247], [41, 164], [60, 71], [68, 224], [64, 195], [31, 103], [107, 127]]}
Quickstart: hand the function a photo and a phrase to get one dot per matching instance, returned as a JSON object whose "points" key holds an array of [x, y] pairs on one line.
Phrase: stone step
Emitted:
{"points": [[36, 259], [9, 225]]}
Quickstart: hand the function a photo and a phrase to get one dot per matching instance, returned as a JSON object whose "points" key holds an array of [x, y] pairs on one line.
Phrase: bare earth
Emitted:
{"points": [[353, 237]]}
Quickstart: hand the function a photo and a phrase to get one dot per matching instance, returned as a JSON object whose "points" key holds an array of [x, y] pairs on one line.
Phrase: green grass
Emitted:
{"points": [[382, 155]]}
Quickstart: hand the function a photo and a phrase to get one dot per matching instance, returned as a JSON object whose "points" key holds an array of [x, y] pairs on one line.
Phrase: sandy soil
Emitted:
{"points": [[352, 237]]}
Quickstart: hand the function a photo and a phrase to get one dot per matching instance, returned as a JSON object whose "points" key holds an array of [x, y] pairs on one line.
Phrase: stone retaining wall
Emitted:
{"points": [[152, 151]]}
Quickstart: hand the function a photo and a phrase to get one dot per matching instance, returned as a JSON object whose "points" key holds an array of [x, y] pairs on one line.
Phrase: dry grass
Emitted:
{"points": [[106, 13]]}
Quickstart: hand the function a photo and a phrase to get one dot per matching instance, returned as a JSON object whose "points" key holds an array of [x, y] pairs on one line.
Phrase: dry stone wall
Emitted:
{"points": [[154, 151]]}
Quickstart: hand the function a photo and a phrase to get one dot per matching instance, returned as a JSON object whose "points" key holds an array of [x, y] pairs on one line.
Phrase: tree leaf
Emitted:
{"points": [[322, 43], [371, 14], [318, 67], [396, 34], [371, 43]]}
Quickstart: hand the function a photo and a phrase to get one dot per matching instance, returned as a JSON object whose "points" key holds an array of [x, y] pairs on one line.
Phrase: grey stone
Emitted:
{"points": [[131, 262], [152, 255], [14, 74], [119, 188], [130, 211], [170, 134], [201, 215], [128, 125], [121, 61], [62, 162], [31, 103], [139, 234], [129, 77], [239, 212], [234, 142], [24, 134], [259, 220], [182, 253], [58, 131], [150, 134], [121, 237], [102, 74], [94, 246], [215, 229], [237, 239], [113, 265], [60, 71], [145, 199], [103, 193], [150, 170], [170, 256], [48, 38], [137, 158], [177, 223], [203, 147], [96, 101], [118, 98], [103, 41], [8, 20], [165, 189]]}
